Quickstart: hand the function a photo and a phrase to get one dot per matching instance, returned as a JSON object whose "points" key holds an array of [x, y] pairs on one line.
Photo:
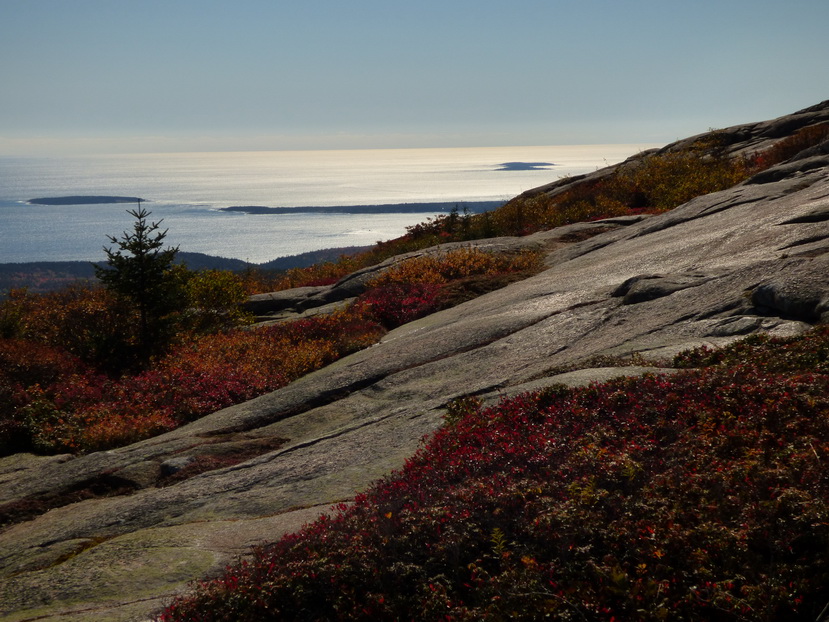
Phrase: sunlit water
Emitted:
{"points": [[186, 191]]}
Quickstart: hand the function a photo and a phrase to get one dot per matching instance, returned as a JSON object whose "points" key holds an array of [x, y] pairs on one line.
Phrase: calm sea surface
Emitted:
{"points": [[186, 190]]}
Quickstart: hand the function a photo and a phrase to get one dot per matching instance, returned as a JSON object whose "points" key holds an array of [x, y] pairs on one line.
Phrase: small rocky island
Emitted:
{"points": [[84, 200], [525, 166]]}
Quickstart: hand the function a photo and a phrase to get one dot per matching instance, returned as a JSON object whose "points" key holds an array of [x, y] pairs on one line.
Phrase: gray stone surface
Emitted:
{"points": [[273, 302], [728, 264], [801, 294], [646, 287]]}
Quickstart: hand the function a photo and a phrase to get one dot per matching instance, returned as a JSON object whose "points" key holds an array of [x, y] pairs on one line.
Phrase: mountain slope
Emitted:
{"points": [[749, 259]]}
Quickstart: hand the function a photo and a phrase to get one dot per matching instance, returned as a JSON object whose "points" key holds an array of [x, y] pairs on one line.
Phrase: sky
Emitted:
{"points": [[121, 76]]}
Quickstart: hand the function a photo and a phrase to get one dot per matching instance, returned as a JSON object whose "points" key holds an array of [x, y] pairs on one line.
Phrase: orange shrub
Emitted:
{"points": [[790, 146], [423, 284], [24, 368], [324, 273], [79, 411], [658, 182], [85, 321], [671, 179], [457, 264]]}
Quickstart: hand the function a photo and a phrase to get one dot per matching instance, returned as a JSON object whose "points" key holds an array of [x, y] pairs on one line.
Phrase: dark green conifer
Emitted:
{"points": [[142, 271]]}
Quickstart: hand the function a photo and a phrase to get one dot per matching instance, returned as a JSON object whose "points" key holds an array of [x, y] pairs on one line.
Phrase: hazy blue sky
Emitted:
{"points": [[180, 75]]}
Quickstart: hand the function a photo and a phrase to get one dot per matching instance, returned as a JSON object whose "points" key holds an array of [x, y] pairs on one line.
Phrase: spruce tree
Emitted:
{"points": [[141, 271]]}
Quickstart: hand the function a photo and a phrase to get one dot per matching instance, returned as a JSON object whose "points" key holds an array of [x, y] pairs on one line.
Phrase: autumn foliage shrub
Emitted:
{"points": [[698, 496], [100, 328], [214, 301], [659, 182], [790, 146], [768, 354], [24, 368], [457, 264], [74, 409], [65, 390], [57, 392], [394, 304], [420, 285], [323, 273], [85, 321]]}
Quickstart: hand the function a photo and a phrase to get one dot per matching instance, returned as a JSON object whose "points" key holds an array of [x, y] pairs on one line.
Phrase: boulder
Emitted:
{"points": [[274, 302], [801, 293], [645, 287]]}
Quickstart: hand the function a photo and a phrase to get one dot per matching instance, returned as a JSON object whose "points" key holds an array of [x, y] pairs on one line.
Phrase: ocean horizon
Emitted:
{"points": [[190, 193]]}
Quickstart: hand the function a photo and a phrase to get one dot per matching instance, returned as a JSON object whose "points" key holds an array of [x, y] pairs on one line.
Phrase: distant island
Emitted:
{"points": [[525, 166], [84, 200], [475, 207]]}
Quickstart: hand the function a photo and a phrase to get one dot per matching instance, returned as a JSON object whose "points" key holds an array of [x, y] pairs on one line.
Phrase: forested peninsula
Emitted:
{"points": [[473, 207]]}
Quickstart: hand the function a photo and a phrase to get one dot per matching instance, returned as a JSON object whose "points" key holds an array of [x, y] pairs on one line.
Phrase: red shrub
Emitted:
{"points": [[698, 496], [25, 367], [79, 411], [398, 303]]}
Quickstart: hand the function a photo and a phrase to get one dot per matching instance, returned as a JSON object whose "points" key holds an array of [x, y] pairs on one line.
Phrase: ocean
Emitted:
{"points": [[187, 191]]}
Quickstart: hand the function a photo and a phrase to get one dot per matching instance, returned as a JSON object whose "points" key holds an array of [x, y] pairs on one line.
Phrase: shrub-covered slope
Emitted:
{"points": [[60, 393], [128, 527], [699, 496]]}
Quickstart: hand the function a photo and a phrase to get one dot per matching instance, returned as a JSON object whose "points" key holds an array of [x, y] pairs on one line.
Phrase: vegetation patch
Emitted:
{"points": [[89, 368], [790, 146], [699, 496], [421, 285], [75, 377], [766, 354]]}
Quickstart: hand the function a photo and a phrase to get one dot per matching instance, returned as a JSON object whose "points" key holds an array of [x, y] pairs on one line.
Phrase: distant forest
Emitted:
{"points": [[44, 276], [472, 207]]}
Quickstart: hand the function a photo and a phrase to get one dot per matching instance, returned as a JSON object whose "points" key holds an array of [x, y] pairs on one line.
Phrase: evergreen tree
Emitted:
{"points": [[141, 271]]}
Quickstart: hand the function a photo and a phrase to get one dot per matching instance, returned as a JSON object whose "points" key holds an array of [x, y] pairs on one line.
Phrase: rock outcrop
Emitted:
{"points": [[303, 301], [113, 534]]}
